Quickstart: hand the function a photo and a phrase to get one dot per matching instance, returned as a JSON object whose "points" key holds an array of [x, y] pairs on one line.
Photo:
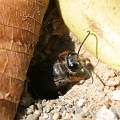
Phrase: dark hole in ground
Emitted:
{"points": [[40, 71], [54, 40]]}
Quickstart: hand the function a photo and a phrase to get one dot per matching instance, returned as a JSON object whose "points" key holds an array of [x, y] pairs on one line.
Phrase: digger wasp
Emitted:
{"points": [[58, 73], [70, 68]]}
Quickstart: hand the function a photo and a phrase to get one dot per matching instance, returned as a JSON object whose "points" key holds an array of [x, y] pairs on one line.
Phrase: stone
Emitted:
{"points": [[56, 116], [113, 82], [105, 114], [81, 102], [32, 117], [45, 115], [116, 95], [37, 112], [30, 109]]}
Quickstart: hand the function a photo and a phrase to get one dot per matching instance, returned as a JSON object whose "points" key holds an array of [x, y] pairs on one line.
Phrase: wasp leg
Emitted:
{"points": [[63, 85], [99, 78]]}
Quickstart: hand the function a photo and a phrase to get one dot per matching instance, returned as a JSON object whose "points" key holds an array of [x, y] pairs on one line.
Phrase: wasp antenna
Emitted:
{"points": [[83, 42], [96, 48], [96, 44], [92, 78]]}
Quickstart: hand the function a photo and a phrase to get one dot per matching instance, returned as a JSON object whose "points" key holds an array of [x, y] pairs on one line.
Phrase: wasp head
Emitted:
{"points": [[77, 68]]}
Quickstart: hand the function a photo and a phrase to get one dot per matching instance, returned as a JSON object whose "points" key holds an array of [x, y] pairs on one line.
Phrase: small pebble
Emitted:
{"points": [[70, 102], [56, 116], [78, 109], [105, 114], [81, 103], [58, 108], [45, 115], [116, 95], [113, 82], [41, 118], [67, 116], [39, 106], [116, 109], [85, 114], [107, 89], [37, 112], [32, 117], [112, 88], [50, 117], [46, 109], [63, 114], [32, 107], [77, 117], [30, 110]]}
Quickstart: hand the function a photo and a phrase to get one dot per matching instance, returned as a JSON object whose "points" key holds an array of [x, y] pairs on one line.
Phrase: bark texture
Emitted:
{"points": [[20, 22]]}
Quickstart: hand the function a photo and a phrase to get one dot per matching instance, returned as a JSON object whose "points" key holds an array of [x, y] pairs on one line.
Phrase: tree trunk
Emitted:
{"points": [[20, 22]]}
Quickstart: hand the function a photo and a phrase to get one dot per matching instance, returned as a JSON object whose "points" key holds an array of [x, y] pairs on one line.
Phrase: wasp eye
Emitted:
{"points": [[72, 63]]}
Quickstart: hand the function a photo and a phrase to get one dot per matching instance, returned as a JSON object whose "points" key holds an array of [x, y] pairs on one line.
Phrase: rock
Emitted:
{"points": [[30, 110], [46, 109], [64, 113], [81, 102], [85, 114], [105, 114], [116, 95], [67, 116], [41, 118], [107, 89], [70, 102], [116, 110], [45, 115], [37, 112], [58, 108], [77, 117], [32, 117], [56, 116], [78, 109], [39, 105], [113, 82], [50, 117]]}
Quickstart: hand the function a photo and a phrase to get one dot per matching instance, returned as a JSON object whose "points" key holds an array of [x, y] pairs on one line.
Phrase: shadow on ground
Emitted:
{"points": [[53, 40], [41, 83]]}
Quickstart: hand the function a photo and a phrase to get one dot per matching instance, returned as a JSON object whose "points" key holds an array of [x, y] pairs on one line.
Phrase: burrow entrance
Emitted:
{"points": [[54, 39]]}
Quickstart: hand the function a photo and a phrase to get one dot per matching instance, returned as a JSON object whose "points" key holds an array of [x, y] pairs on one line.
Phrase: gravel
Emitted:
{"points": [[99, 100], [82, 102]]}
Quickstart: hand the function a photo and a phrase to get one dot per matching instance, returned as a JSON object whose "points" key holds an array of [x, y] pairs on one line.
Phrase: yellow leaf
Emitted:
{"points": [[101, 18]]}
